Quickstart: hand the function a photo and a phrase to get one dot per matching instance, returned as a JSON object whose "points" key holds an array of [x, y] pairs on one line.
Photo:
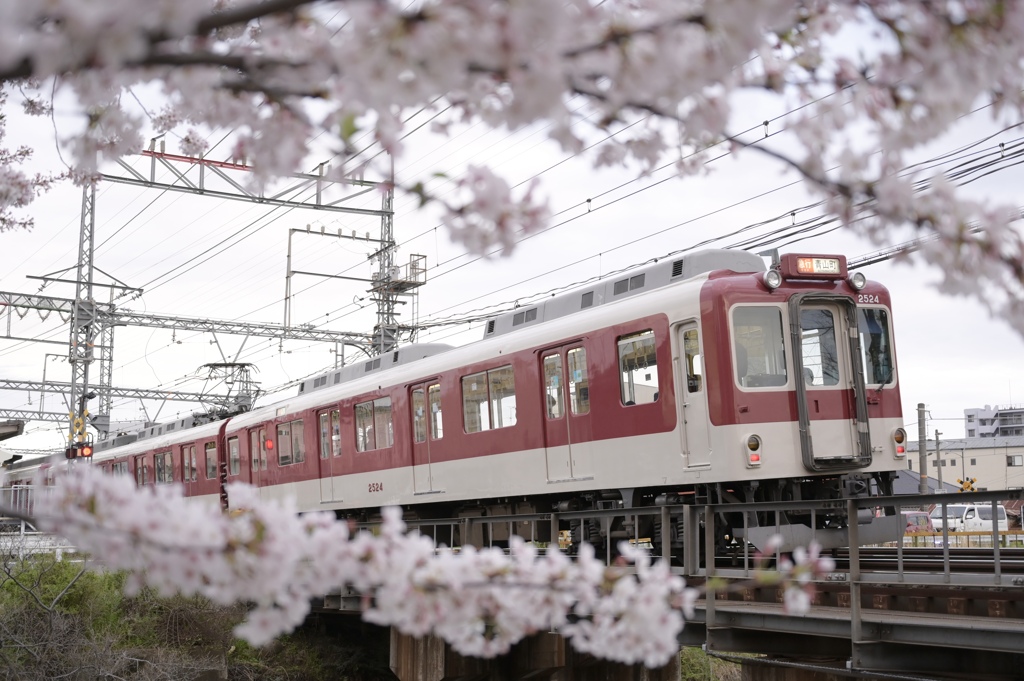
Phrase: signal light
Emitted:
{"points": [[85, 450], [899, 437], [753, 451]]}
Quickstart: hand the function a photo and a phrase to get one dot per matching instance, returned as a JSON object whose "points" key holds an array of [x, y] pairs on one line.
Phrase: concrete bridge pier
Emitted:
{"points": [[542, 656]]}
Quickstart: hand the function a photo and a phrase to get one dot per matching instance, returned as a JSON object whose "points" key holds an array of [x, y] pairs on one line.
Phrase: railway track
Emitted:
{"points": [[934, 559]]}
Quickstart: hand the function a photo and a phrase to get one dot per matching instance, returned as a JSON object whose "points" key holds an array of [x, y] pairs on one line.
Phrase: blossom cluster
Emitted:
{"points": [[481, 601], [281, 74]]}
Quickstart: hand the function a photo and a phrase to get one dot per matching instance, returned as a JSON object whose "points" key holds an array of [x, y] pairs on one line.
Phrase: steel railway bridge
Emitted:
{"points": [[939, 605]]}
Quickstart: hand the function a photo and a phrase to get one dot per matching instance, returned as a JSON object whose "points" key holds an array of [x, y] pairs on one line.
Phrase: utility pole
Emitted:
{"points": [[922, 448], [938, 458], [84, 322]]}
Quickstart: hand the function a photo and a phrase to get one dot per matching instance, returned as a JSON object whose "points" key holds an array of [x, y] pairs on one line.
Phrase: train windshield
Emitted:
{"points": [[820, 354], [760, 347], [875, 346]]}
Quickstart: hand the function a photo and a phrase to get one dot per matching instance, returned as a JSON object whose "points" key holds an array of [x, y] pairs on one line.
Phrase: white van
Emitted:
{"points": [[969, 518]]}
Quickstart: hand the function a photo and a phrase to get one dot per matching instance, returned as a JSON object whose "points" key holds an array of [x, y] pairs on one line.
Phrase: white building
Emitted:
{"points": [[994, 462], [996, 421]]}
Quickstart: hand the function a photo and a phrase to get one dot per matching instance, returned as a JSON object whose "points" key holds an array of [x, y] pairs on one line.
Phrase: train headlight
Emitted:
{"points": [[772, 279], [899, 438], [753, 450], [857, 280]]}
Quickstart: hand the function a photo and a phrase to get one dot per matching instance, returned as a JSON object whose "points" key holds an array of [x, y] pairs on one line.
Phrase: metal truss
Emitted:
{"points": [[111, 316], [122, 393], [27, 415], [235, 189], [129, 318]]}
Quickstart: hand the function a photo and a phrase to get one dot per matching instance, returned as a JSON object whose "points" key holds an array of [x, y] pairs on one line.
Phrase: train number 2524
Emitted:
{"points": [[867, 298], [376, 486]]}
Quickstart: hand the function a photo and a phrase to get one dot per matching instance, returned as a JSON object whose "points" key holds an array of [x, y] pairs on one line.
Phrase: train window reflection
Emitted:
{"points": [[434, 401], [691, 351], [820, 353], [760, 349], [419, 415], [234, 457], [875, 346], [373, 424], [579, 382], [489, 400], [210, 451], [553, 380], [638, 367]]}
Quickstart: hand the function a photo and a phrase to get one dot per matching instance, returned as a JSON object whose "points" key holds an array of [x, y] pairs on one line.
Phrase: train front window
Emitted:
{"points": [[638, 368], [875, 346], [759, 346], [820, 352]]}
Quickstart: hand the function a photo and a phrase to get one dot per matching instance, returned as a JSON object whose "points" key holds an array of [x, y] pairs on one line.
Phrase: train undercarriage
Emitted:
{"points": [[605, 518]]}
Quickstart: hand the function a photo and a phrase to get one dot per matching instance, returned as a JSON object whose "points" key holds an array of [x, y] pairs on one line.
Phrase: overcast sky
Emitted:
{"points": [[951, 354]]}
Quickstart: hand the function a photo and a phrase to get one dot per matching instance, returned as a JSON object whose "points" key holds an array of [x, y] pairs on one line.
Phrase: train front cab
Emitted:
{"points": [[808, 405]]}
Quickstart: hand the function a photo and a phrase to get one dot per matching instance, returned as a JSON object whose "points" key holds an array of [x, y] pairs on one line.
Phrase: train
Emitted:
{"points": [[714, 377]]}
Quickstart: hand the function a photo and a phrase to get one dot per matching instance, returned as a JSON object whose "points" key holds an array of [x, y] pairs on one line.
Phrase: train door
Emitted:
{"points": [[188, 469], [257, 463], [566, 412], [692, 398], [329, 423], [831, 397], [427, 428]]}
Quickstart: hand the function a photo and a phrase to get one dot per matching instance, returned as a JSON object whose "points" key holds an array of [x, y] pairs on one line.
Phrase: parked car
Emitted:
{"points": [[917, 522], [969, 518]]}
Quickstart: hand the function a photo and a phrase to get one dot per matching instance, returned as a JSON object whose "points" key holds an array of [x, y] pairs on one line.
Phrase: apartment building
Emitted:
{"points": [[996, 421]]}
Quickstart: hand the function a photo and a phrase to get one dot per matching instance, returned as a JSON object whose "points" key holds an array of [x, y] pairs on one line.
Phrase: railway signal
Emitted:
{"points": [[967, 484]]}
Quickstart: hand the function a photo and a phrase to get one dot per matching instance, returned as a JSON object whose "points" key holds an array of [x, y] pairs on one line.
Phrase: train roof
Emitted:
{"points": [[624, 285], [614, 289]]}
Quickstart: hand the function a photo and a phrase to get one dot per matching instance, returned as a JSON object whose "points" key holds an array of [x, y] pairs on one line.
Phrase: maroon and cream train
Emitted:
{"points": [[707, 377]]}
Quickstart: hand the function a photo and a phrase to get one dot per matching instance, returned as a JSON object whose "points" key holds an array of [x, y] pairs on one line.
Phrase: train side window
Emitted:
{"points": [[284, 444], [119, 468], [266, 444], [759, 346], [434, 402], [419, 415], [820, 353], [210, 450], [164, 468], [254, 450], [875, 346], [638, 368], [373, 425], [489, 399], [364, 427], [553, 385], [234, 457], [193, 463], [336, 432], [691, 354], [475, 414], [382, 422], [298, 442], [141, 472], [325, 435], [579, 381]]}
